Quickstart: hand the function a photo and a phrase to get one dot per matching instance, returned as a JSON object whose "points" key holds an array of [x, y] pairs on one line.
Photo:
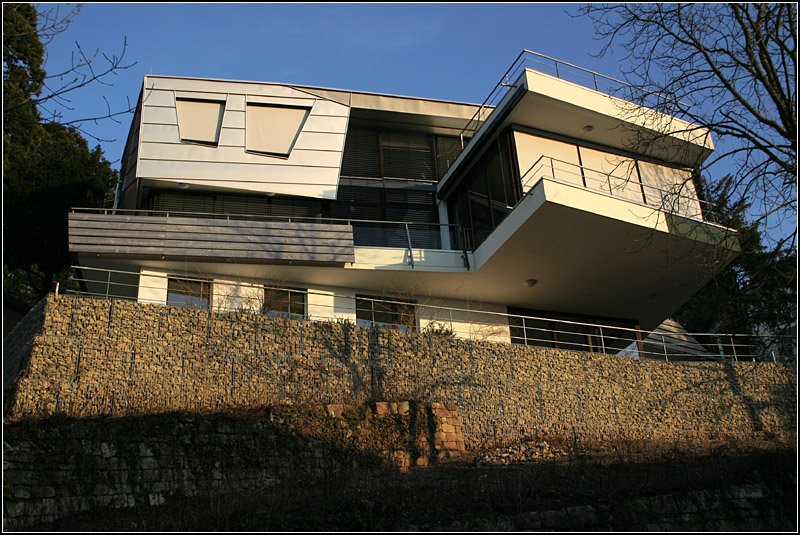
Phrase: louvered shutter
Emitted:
{"points": [[181, 202], [361, 157], [407, 155]]}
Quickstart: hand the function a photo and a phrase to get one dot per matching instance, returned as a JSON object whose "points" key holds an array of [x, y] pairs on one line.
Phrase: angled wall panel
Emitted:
{"points": [[307, 165]]}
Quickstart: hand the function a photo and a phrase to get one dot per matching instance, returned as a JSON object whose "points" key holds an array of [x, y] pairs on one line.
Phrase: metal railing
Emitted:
{"points": [[564, 71], [366, 232], [629, 188], [448, 321]]}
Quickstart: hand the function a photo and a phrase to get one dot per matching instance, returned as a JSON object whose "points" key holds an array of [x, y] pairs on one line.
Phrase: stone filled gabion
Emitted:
{"points": [[97, 357]]}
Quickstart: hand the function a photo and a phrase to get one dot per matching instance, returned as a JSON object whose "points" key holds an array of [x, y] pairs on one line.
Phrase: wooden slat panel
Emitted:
{"points": [[221, 248], [211, 234], [210, 254], [129, 235], [201, 240], [245, 224]]}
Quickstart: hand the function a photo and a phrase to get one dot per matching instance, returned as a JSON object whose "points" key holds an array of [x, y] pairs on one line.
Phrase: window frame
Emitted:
{"points": [[290, 293], [393, 303], [206, 287]]}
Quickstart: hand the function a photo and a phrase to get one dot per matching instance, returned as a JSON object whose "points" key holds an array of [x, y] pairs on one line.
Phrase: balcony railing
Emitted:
{"points": [[564, 71], [629, 188], [452, 321], [366, 233]]}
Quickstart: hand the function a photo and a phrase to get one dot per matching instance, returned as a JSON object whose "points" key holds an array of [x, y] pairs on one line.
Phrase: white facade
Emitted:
{"points": [[548, 187]]}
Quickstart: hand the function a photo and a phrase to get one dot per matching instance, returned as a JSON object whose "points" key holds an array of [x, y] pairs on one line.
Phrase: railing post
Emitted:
{"points": [[664, 345], [733, 347], [108, 283], [602, 342], [410, 249]]}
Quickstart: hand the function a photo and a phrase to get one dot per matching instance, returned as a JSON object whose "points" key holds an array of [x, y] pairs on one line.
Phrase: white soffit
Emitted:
{"points": [[565, 108]]}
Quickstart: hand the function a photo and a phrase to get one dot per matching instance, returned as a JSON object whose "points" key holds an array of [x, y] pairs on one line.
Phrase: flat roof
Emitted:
{"points": [[304, 86]]}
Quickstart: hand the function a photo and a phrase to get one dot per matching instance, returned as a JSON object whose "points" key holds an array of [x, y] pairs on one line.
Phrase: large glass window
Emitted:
{"points": [[393, 203], [188, 293], [401, 154], [395, 313], [279, 206], [487, 194], [288, 302]]}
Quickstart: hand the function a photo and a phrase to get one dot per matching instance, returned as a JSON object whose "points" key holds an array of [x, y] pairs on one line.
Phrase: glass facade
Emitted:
{"points": [[487, 193]]}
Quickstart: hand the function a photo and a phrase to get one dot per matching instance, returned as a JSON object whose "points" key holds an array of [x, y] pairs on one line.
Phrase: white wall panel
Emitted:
{"points": [[190, 152], [235, 102], [231, 295], [611, 173], [328, 107], [670, 189], [160, 115], [154, 97], [158, 133], [152, 287], [325, 124], [311, 169], [319, 141], [224, 171], [539, 156], [232, 137], [233, 119]]}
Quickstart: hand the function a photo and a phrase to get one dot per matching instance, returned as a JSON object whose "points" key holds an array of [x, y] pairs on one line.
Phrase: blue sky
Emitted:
{"points": [[447, 51]]}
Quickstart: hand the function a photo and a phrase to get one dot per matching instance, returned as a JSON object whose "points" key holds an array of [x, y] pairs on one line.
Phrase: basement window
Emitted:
{"points": [[273, 129], [188, 293], [394, 313], [286, 302], [200, 121]]}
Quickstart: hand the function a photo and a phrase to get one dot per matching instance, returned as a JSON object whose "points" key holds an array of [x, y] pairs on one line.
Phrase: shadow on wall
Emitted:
{"points": [[58, 466], [308, 469]]}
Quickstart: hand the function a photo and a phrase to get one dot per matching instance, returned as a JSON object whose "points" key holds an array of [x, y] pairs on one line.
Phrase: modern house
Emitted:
{"points": [[555, 209]]}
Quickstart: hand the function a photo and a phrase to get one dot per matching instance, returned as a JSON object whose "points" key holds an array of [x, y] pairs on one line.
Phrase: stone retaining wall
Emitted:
{"points": [[115, 358], [59, 466]]}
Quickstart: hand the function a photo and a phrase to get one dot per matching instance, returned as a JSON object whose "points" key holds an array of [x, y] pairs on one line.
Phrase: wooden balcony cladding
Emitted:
{"points": [[210, 239]]}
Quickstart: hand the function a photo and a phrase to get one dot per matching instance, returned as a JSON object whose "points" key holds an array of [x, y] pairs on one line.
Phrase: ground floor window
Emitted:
{"points": [[386, 312], [188, 292], [570, 331], [287, 302]]}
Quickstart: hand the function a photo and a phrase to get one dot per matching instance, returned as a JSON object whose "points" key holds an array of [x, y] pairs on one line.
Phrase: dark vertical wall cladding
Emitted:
{"points": [[145, 359]]}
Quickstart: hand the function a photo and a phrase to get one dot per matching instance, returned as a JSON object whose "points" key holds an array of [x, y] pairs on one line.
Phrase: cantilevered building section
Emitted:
{"points": [[557, 210]]}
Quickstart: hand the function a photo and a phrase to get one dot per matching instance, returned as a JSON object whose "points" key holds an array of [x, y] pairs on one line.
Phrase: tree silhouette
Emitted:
{"points": [[48, 166], [729, 68]]}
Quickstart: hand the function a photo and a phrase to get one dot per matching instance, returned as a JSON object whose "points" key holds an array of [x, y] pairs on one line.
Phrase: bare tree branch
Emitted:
{"points": [[730, 68]]}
